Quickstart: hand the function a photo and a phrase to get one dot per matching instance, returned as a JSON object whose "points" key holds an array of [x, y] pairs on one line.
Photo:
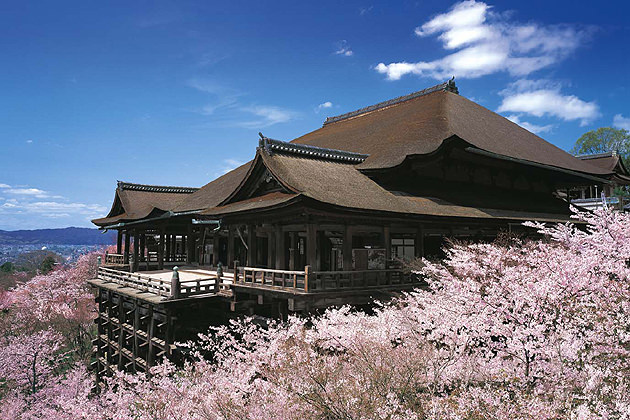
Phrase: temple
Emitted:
{"points": [[326, 219]]}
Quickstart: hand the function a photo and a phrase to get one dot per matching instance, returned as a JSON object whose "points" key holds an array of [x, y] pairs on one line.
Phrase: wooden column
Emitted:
{"points": [[293, 250], [252, 252], [230, 247], [190, 245], [419, 242], [126, 250], [347, 248], [167, 239], [173, 247], [271, 249], [280, 249], [387, 243], [161, 250], [215, 249], [136, 251], [311, 246], [142, 242], [119, 242]]}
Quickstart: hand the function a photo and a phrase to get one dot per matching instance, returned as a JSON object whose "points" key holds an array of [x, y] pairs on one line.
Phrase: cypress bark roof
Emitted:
{"points": [[137, 201], [419, 125]]}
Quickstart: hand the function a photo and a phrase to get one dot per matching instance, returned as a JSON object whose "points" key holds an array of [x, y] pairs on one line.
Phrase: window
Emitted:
{"points": [[403, 248]]}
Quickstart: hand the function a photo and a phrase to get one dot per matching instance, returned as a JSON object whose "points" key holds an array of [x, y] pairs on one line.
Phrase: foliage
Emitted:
{"points": [[516, 330], [604, 139], [34, 261]]}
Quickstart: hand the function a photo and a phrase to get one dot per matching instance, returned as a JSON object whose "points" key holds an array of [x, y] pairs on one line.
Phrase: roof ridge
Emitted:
{"points": [[304, 150], [155, 188], [448, 86], [610, 153]]}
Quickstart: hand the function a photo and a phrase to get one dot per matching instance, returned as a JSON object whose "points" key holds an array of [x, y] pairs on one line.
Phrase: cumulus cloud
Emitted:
{"points": [[620, 121], [486, 43], [536, 129], [543, 98], [343, 49], [324, 105]]}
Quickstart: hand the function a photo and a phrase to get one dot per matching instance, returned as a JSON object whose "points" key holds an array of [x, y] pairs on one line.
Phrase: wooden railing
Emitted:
{"points": [[117, 259], [274, 278], [322, 281], [172, 288]]}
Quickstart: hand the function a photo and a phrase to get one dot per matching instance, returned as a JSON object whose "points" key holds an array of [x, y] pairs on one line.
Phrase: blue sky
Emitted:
{"points": [[175, 93]]}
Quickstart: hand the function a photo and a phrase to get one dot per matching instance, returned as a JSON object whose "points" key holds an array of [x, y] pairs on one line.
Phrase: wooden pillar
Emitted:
{"points": [[161, 249], [136, 251], [230, 246], [419, 242], [271, 249], [293, 250], [173, 247], [126, 250], [387, 243], [168, 247], [252, 252], [142, 242], [347, 248], [311, 246], [280, 248], [215, 249], [119, 242], [190, 245]]}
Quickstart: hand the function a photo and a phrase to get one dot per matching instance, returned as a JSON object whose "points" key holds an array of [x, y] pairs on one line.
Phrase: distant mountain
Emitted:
{"points": [[65, 236]]}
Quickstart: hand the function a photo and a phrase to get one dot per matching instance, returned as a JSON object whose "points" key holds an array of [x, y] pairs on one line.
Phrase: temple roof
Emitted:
{"points": [[419, 123], [349, 146], [137, 201], [610, 161]]}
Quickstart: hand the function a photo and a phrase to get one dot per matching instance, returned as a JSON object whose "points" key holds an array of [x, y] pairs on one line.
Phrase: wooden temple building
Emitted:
{"points": [[325, 219]]}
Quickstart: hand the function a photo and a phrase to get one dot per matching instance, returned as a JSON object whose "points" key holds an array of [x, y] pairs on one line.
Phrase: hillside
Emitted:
{"points": [[64, 236]]}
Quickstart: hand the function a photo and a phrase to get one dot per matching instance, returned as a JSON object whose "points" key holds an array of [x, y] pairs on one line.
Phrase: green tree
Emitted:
{"points": [[7, 267], [47, 265], [604, 139]]}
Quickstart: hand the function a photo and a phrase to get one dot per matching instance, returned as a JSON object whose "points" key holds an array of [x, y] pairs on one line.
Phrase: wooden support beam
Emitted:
{"points": [[150, 332], [136, 251], [161, 247], [230, 246], [143, 244], [347, 248], [280, 249], [126, 250], [215, 249], [311, 245], [419, 242], [252, 252], [293, 250], [119, 242], [387, 243], [271, 249]]}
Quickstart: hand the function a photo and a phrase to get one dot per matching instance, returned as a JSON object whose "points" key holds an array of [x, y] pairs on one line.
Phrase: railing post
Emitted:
{"points": [[217, 285], [98, 260], [175, 284], [236, 276], [307, 273]]}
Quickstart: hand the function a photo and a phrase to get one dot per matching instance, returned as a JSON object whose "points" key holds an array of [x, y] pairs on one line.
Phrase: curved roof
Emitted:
{"points": [[137, 201], [419, 125]]}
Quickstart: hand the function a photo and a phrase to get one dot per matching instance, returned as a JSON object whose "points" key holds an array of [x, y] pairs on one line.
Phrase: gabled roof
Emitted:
{"points": [[418, 124], [137, 201], [610, 161]]}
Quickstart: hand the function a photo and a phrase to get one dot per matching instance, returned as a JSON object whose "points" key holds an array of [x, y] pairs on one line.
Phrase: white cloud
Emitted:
{"points": [[29, 141], [28, 201], [543, 98], [268, 115], [620, 121], [343, 49], [324, 105], [488, 43], [536, 129]]}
